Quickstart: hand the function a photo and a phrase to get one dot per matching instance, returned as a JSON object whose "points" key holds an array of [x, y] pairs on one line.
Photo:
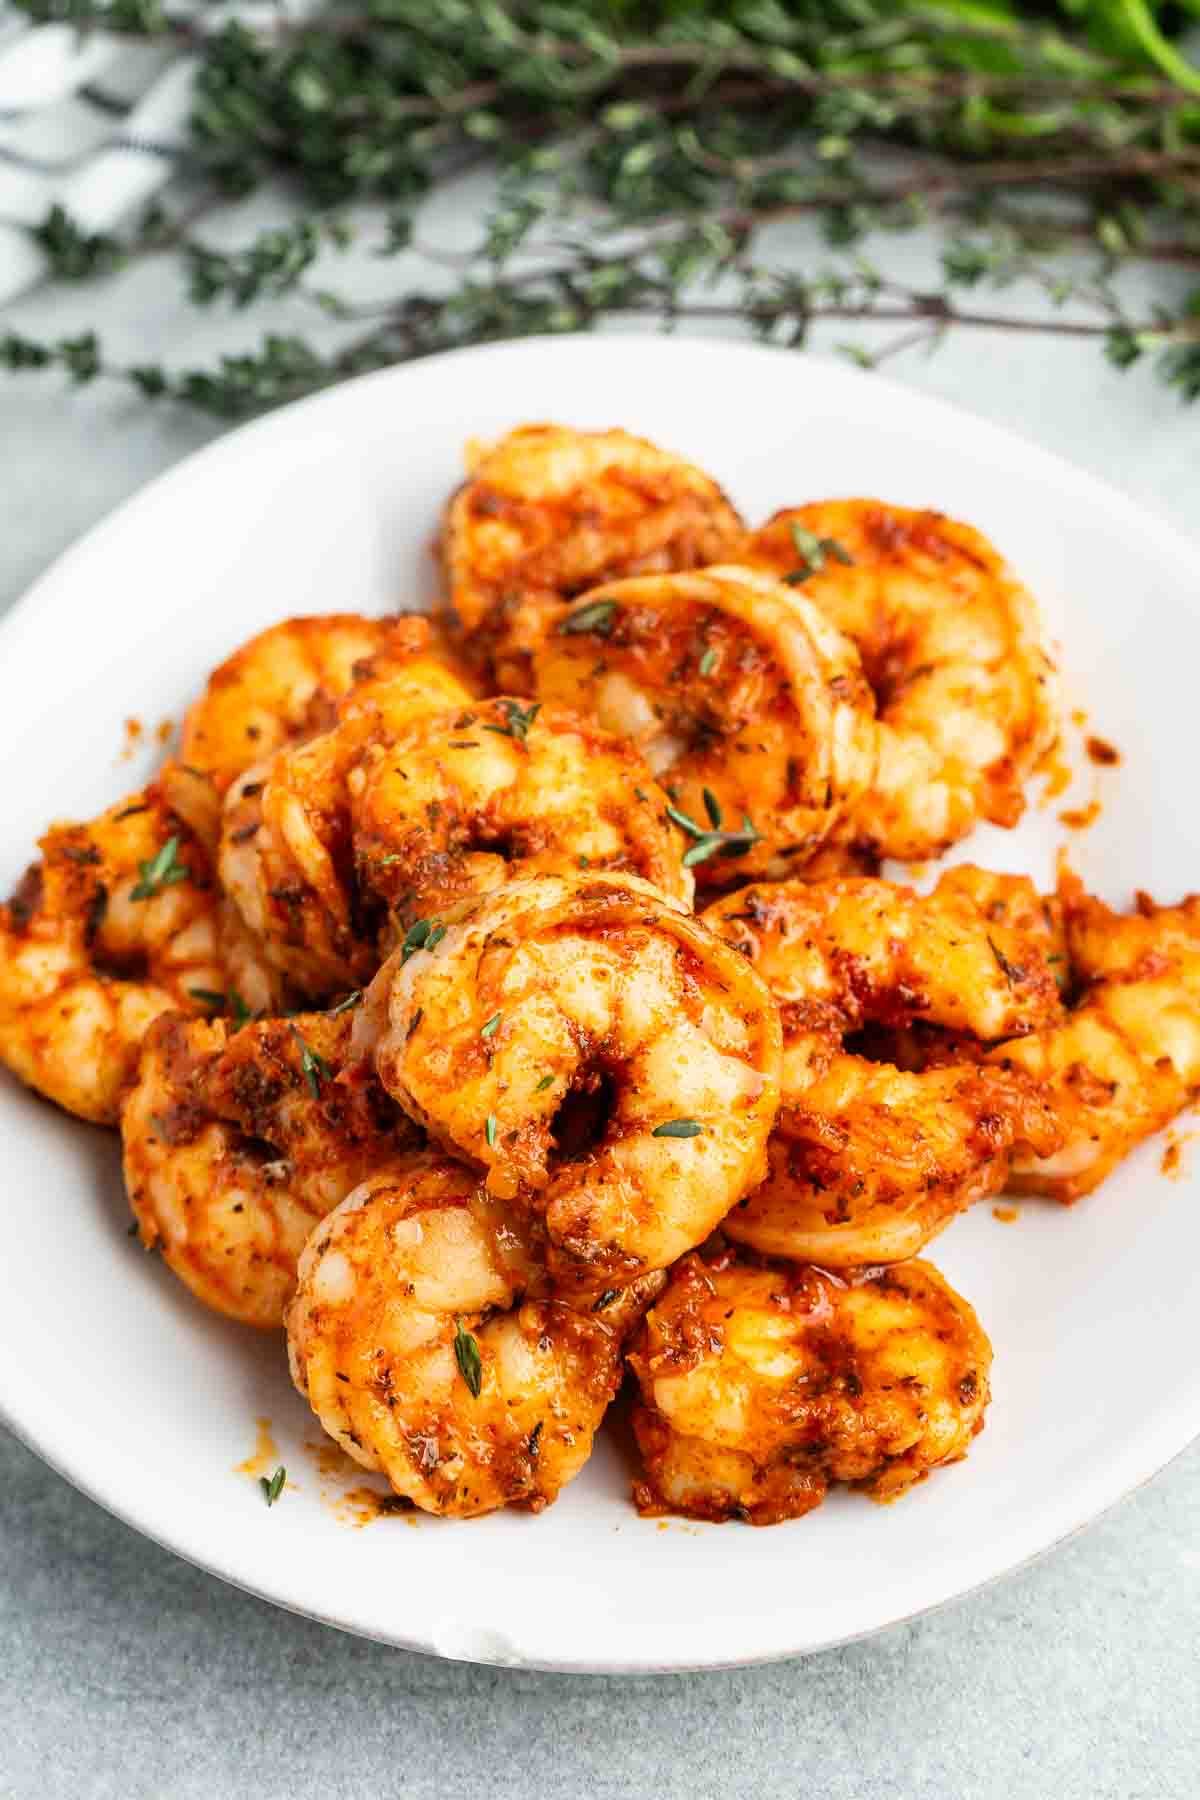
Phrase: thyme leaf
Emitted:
{"points": [[274, 1487], [352, 999], [518, 720], [814, 552], [313, 1066], [596, 618], [466, 1355], [160, 871]]}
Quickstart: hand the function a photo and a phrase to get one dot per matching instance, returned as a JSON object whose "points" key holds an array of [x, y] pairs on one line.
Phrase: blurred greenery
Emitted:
{"points": [[638, 152]]}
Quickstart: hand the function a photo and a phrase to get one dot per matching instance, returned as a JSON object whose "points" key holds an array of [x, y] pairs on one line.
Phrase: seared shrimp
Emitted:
{"points": [[546, 513], [867, 1160], [1127, 1058], [748, 706], [464, 801], [286, 852], [953, 648], [764, 1382], [425, 1338], [281, 685], [238, 1141], [595, 1052], [120, 921]]}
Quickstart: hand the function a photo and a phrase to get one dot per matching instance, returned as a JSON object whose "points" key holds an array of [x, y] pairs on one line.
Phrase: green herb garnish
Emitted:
{"points": [[492, 1026], [678, 1128], [1012, 972], [274, 1487], [519, 720], [230, 1002], [708, 661], [466, 1355], [423, 934], [705, 842], [543, 1084], [314, 1067], [208, 997], [597, 618], [489, 1131], [347, 1005], [160, 872], [814, 552]]}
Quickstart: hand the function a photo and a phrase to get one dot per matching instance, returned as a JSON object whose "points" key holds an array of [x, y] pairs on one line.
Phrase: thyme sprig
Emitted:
{"points": [[640, 152], [160, 871], [313, 1065], [713, 840]]}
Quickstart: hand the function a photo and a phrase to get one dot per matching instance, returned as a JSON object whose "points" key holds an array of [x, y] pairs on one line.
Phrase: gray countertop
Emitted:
{"points": [[126, 1673]]}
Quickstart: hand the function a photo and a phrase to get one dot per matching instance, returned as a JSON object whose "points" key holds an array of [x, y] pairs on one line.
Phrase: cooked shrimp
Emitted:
{"points": [[238, 1141], [286, 852], [464, 801], [280, 686], [953, 648], [1127, 1058], [749, 707], [867, 1160], [764, 1382], [548, 512], [428, 1343], [120, 921], [596, 1052], [1014, 901]]}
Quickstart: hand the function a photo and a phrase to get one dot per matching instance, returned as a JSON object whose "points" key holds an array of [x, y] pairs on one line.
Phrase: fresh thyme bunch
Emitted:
{"points": [[640, 152]]}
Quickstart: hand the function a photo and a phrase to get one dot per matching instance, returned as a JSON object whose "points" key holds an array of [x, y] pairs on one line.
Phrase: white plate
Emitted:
{"points": [[117, 1377]]}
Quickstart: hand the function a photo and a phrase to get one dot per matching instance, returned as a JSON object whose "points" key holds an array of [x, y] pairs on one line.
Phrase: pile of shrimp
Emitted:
{"points": [[506, 1002]]}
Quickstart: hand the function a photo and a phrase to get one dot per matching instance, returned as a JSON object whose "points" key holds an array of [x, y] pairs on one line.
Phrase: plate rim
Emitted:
{"points": [[1128, 513]]}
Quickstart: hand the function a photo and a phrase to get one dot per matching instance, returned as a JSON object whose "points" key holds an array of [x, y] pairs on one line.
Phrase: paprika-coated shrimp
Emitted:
{"points": [[596, 1053], [953, 648], [763, 1382], [237, 1142], [1127, 1057], [286, 849], [464, 801], [749, 707], [867, 1160], [282, 684], [548, 512], [428, 1342], [119, 921]]}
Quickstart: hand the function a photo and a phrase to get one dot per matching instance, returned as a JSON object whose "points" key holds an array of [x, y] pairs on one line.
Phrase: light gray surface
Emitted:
{"points": [[125, 1673]]}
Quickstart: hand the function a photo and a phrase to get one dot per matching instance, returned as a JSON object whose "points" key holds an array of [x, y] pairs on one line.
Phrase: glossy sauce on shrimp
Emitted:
{"points": [[427, 1340], [869, 1160], [286, 852], [597, 1054], [237, 1141], [546, 513], [119, 921], [281, 685], [762, 1383], [748, 706], [953, 648], [1127, 1057], [464, 801]]}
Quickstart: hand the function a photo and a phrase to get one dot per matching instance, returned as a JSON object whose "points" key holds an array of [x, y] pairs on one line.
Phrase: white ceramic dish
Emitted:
{"points": [[117, 1378]]}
